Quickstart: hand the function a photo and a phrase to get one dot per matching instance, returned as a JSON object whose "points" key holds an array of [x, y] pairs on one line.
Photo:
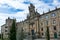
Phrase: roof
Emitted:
{"points": [[50, 11]]}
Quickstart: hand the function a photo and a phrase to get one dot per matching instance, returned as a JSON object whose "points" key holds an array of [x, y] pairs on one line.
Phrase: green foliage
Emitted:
{"points": [[2, 36], [47, 34], [22, 35], [12, 35]]}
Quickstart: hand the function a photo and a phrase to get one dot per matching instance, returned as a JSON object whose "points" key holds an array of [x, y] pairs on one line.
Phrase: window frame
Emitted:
{"points": [[6, 27], [54, 21], [6, 30], [41, 29], [55, 28], [46, 16], [53, 15]]}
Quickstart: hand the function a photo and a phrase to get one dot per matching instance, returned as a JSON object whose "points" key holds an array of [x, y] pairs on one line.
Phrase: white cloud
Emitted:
{"points": [[16, 4], [19, 16]]}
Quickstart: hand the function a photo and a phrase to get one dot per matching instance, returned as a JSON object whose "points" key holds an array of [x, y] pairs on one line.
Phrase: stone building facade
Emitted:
{"points": [[37, 24], [5, 29]]}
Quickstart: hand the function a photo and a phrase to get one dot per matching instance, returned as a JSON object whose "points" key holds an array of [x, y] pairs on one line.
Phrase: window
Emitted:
{"points": [[5, 26], [42, 34], [41, 29], [5, 30], [41, 23], [54, 21], [54, 27], [59, 34], [55, 35], [41, 17], [53, 14], [46, 16]]}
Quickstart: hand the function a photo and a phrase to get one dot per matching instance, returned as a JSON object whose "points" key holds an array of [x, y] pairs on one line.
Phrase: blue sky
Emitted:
{"points": [[19, 8]]}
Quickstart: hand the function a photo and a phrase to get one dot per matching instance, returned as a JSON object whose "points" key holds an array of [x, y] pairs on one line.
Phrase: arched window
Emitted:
{"points": [[54, 21], [54, 27], [46, 16], [53, 14], [55, 35]]}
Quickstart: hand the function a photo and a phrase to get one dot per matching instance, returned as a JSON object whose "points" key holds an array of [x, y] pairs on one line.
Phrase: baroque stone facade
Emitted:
{"points": [[39, 23], [6, 28]]}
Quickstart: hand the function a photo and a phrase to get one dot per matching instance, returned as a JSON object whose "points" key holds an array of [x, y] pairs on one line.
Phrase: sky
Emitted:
{"points": [[19, 8]]}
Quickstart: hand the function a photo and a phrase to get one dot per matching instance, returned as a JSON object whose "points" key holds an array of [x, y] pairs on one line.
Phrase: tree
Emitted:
{"points": [[22, 35], [12, 34], [2, 36], [47, 34]]}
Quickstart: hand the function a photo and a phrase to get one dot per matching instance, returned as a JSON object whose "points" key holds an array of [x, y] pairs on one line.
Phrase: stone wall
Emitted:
{"points": [[42, 39]]}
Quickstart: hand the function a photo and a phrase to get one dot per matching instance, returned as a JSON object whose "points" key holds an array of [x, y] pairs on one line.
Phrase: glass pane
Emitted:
{"points": [[54, 27], [54, 21], [55, 35], [46, 16], [53, 14]]}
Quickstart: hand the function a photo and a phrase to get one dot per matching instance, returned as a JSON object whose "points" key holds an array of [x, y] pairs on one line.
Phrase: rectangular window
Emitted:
{"points": [[59, 34], [54, 27], [41, 29], [5, 26], [42, 34], [5, 30], [54, 21], [55, 35], [42, 17]]}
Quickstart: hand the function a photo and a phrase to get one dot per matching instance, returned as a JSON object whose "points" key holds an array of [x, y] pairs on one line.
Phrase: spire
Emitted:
{"points": [[36, 10], [37, 14], [49, 10], [43, 12], [8, 17], [56, 7], [31, 10], [32, 5]]}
